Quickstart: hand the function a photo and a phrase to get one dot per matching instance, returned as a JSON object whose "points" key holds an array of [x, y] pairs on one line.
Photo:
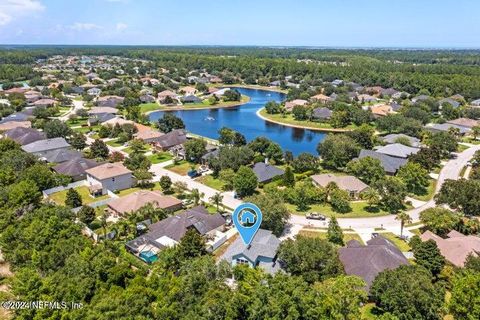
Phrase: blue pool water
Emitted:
{"points": [[244, 120]]}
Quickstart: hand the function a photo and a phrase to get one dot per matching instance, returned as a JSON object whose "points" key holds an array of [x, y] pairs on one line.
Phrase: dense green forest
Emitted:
{"points": [[440, 72]]}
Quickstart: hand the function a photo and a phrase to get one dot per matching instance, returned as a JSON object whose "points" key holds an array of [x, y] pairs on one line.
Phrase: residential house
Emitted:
{"points": [[168, 232], [454, 103], [322, 114], [171, 139], [464, 123], [381, 110], [366, 98], [190, 99], [321, 98], [60, 155], [162, 96], [41, 148], [9, 125], [100, 118], [337, 82], [367, 261], [261, 252], [351, 184], [102, 110], [446, 127], [147, 98], [109, 177], [275, 83], [420, 98], [188, 91], [393, 138], [398, 150], [390, 164], [44, 103], [147, 134], [475, 103], [266, 172], [24, 135], [134, 201], [94, 92], [75, 168], [456, 247], [389, 92], [110, 101], [289, 105]]}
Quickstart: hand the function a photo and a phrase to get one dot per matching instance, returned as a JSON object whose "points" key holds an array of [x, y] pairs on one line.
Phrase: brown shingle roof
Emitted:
{"points": [[136, 200], [108, 170], [348, 183]]}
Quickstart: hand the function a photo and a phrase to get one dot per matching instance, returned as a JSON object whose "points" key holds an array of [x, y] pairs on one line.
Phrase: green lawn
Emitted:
{"points": [[160, 157], [114, 143], [182, 168], [204, 104], [462, 147], [323, 235], [149, 107], [211, 182], [59, 197], [77, 122], [402, 245], [288, 119], [358, 210]]}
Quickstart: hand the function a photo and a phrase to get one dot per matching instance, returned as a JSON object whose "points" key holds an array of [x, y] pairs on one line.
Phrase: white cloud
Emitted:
{"points": [[12, 9], [79, 26], [121, 26]]}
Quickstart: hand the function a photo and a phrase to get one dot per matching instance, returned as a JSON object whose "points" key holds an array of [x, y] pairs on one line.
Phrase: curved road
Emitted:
{"points": [[451, 170]]}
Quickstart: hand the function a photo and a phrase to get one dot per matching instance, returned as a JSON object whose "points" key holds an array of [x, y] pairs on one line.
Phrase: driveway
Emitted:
{"points": [[77, 105], [228, 199]]}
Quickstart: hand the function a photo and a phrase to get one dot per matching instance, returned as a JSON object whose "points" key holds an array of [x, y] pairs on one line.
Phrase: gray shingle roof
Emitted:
{"points": [[173, 138], [25, 136], [398, 150], [61, 155], [266, 172], [450, 101], [45, 145], [368, 261], [389, 163], [75, 167], [392, 138], [322, 113], [264, 244]]}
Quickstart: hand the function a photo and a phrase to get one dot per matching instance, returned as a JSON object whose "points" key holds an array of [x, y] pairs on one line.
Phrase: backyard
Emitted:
{"points": [[358, 210], [60, 197]]}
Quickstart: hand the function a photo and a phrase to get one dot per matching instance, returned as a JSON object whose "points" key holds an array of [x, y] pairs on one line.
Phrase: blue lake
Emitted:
{"points": [[244, 120]]}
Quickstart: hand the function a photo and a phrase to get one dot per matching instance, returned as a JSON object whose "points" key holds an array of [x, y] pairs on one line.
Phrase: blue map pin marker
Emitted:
{"points": [[247, 218]]}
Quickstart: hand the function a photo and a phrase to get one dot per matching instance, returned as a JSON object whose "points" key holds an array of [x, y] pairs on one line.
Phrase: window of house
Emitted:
{"points": [[242, 261]]}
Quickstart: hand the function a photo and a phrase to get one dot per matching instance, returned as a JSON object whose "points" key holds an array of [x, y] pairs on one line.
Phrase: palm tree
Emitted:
{"points": [[404, 218], [196, 195], [475, 132], [217, 199], [371, 196]]}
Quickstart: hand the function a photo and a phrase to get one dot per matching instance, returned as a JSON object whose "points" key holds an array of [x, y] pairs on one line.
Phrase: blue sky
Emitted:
{"points": [[337, 23]]}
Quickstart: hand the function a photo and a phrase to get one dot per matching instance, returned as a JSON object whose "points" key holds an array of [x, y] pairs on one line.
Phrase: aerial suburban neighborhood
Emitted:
{"points": [[122, 168]]}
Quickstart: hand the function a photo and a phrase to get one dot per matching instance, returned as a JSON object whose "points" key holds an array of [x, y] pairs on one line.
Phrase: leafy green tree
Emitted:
{"points": [[428, 256], [165, 183], [415, 177], [259, 144], [73, 198], [245, 181], [143, 176], [305, 162], [343, 295], [288, 177], [339, 200], [337, 150], [78, 141], [313, 259], [364, 136], [334, 233], [465, 300], [86, 214], [56, 129], [23, 193], [136, 161], [439, 220], [192, 245], [367, 169], [443, 142], [428, 158], [195, 149], [408, 294], [272, 107], [274, 152], [392, 193], [170, 122], [227, 176], [226, 136], [196, 196], [99, 149], [275, 213], [461, 194], [372, 197], [472, 262]]}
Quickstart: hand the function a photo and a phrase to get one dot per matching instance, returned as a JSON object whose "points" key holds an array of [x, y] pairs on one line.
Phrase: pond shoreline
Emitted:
{"points": [[182, 108], [300, 126]]}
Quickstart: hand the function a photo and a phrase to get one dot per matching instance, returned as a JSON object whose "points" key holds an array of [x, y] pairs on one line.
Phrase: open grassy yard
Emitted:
{"points": [[76, 123], [181, 168], [114, 143], [402, 245], [60, 197], [149, 107], [288, 119], [323, 235], [211, 182], [160, 157], [358, 210]]}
